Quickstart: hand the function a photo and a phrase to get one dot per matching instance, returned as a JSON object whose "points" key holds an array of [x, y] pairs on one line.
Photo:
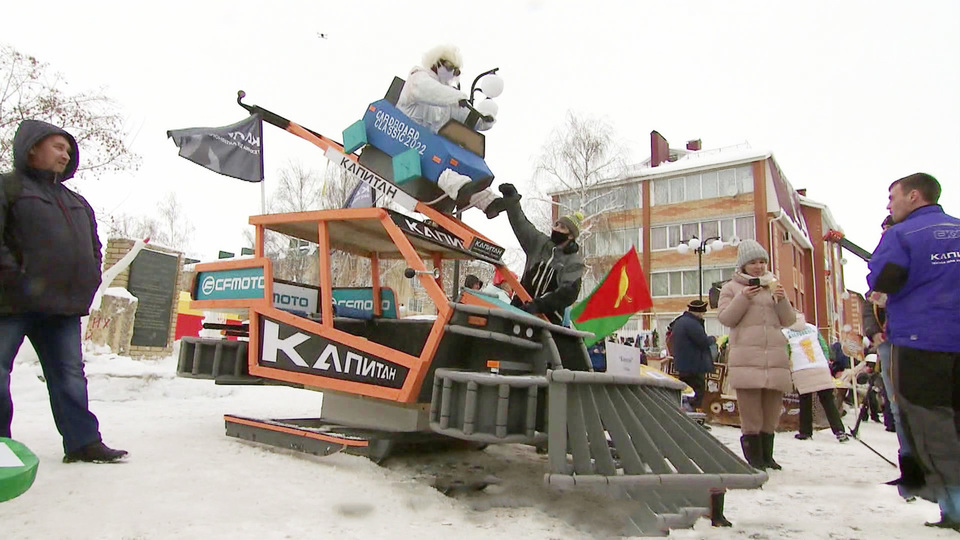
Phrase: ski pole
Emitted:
{"points": [[875, 452]]}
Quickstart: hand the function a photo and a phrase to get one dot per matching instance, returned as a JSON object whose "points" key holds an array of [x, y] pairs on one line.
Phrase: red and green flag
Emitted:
{"points": [[622, 293]]}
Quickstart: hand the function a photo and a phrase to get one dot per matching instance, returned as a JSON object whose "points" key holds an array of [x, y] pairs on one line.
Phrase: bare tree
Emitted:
{"points": [[302, 189], [176, 229], [170, 227], [29, 90], [131, 227], [578, 158]]}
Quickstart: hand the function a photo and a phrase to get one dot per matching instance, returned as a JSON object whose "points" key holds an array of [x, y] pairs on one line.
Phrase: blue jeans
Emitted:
{"points": [[56, 338], [886, 373], [949, 502]]}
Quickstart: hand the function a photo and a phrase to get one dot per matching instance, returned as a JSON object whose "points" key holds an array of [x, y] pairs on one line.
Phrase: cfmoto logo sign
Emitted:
{"points": [[208, 285], [240, 284]]}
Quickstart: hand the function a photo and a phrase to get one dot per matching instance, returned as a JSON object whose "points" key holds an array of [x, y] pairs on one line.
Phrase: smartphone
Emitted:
{"points": [[754, 282]]}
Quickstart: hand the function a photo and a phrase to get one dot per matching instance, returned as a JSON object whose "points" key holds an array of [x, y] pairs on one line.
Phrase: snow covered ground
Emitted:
{"points": [[186, 479]]}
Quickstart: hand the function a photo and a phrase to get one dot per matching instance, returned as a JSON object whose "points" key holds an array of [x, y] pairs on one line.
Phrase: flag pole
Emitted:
{"points": [[263, 187]]}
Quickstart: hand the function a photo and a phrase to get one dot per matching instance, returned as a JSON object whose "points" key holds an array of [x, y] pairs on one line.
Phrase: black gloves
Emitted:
{"points": [[531, 307], [508, 190], [510, 195], [463, 102], [488, 118]]}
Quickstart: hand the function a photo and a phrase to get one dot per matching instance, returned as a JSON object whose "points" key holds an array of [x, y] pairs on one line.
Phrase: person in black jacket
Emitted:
{"points": [[49, 271], [554, 269], [691, 350]]}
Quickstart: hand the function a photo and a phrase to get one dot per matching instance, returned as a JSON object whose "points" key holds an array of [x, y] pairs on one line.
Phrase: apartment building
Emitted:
{"points": [[731, 194]]}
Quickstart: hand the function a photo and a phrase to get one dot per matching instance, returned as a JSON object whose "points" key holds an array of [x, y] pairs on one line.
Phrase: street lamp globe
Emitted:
{"points": [[491, 85], [717, 244], [694, 243], [683, 249]]}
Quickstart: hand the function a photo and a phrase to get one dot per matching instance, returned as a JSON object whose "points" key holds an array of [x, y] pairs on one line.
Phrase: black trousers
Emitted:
{"points": [[927, 385], [697, 381], [829, 406]]}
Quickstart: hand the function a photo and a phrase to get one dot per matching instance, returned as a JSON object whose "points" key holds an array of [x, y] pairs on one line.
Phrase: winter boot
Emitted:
{"points": [[753, 451], [911, 473], [95, 453], [459, 187], [716, 511], [767, 444]]}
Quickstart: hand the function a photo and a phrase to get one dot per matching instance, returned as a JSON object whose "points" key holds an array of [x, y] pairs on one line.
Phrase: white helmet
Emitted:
{"points": [[450, 53]]}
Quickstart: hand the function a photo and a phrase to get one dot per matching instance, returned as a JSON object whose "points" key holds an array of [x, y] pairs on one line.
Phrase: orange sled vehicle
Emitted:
{"points": [[480, 371]]}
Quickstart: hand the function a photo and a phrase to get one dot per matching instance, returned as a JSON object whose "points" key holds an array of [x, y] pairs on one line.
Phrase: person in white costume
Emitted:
{"points": [[430, 97]]}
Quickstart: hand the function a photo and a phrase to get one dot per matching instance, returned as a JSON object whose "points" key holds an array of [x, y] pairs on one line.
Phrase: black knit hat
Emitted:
{"points": [[472, 281], [697, 306]]}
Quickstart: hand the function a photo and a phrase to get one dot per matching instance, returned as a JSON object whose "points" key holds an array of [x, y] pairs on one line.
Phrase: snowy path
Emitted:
{"points": [[185, 479]]}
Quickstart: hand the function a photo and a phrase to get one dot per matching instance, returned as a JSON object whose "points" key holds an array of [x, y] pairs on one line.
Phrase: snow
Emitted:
{"points": [[119, 292], [186, 479], [699, 159]]}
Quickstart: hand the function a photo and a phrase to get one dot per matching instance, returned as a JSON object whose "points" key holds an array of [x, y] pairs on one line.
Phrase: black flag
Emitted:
{"points": [[233, 150], [360, 197]]}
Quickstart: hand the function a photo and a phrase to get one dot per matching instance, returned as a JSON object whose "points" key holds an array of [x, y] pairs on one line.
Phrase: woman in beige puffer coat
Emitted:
{"points": [[758, 366]]}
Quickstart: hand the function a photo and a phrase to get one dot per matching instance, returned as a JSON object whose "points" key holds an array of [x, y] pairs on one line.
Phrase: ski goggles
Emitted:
{"points": [[450, 67]]}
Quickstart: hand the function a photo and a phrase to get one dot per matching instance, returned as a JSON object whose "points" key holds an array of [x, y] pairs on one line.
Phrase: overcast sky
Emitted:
{"points": [[848, 96]]}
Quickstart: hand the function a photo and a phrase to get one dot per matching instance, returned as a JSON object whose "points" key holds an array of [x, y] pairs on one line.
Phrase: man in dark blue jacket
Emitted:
{"points": [[49, 272], [691, 350], [917, 264]]}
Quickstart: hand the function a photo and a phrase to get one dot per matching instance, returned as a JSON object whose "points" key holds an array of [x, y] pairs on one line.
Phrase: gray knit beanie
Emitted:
{"points": [[750, 250]]}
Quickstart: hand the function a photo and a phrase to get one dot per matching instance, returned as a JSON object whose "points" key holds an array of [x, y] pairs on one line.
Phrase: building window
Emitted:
{"points": [[660, 284], [612, 242], [661, 192], [692, 189], [676, 189], [727, 229], [710, 229], [709, 185], [673, 236], [658, 238], [745, 228], [704, 185], [684, 282], [745, 179], [728, 183], [690, 282], [599, 200], [670, 236], [715, 275]]}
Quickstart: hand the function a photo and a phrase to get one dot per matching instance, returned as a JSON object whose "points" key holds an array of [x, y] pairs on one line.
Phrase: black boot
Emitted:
{"points": [[495, 207], [944, 523], [767, 442], [95, 453], [911, 473], [716, 511], [753, 451]]}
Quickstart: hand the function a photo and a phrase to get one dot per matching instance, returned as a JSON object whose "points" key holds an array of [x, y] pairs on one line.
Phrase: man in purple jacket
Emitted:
{"points": [[917, 264]]}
